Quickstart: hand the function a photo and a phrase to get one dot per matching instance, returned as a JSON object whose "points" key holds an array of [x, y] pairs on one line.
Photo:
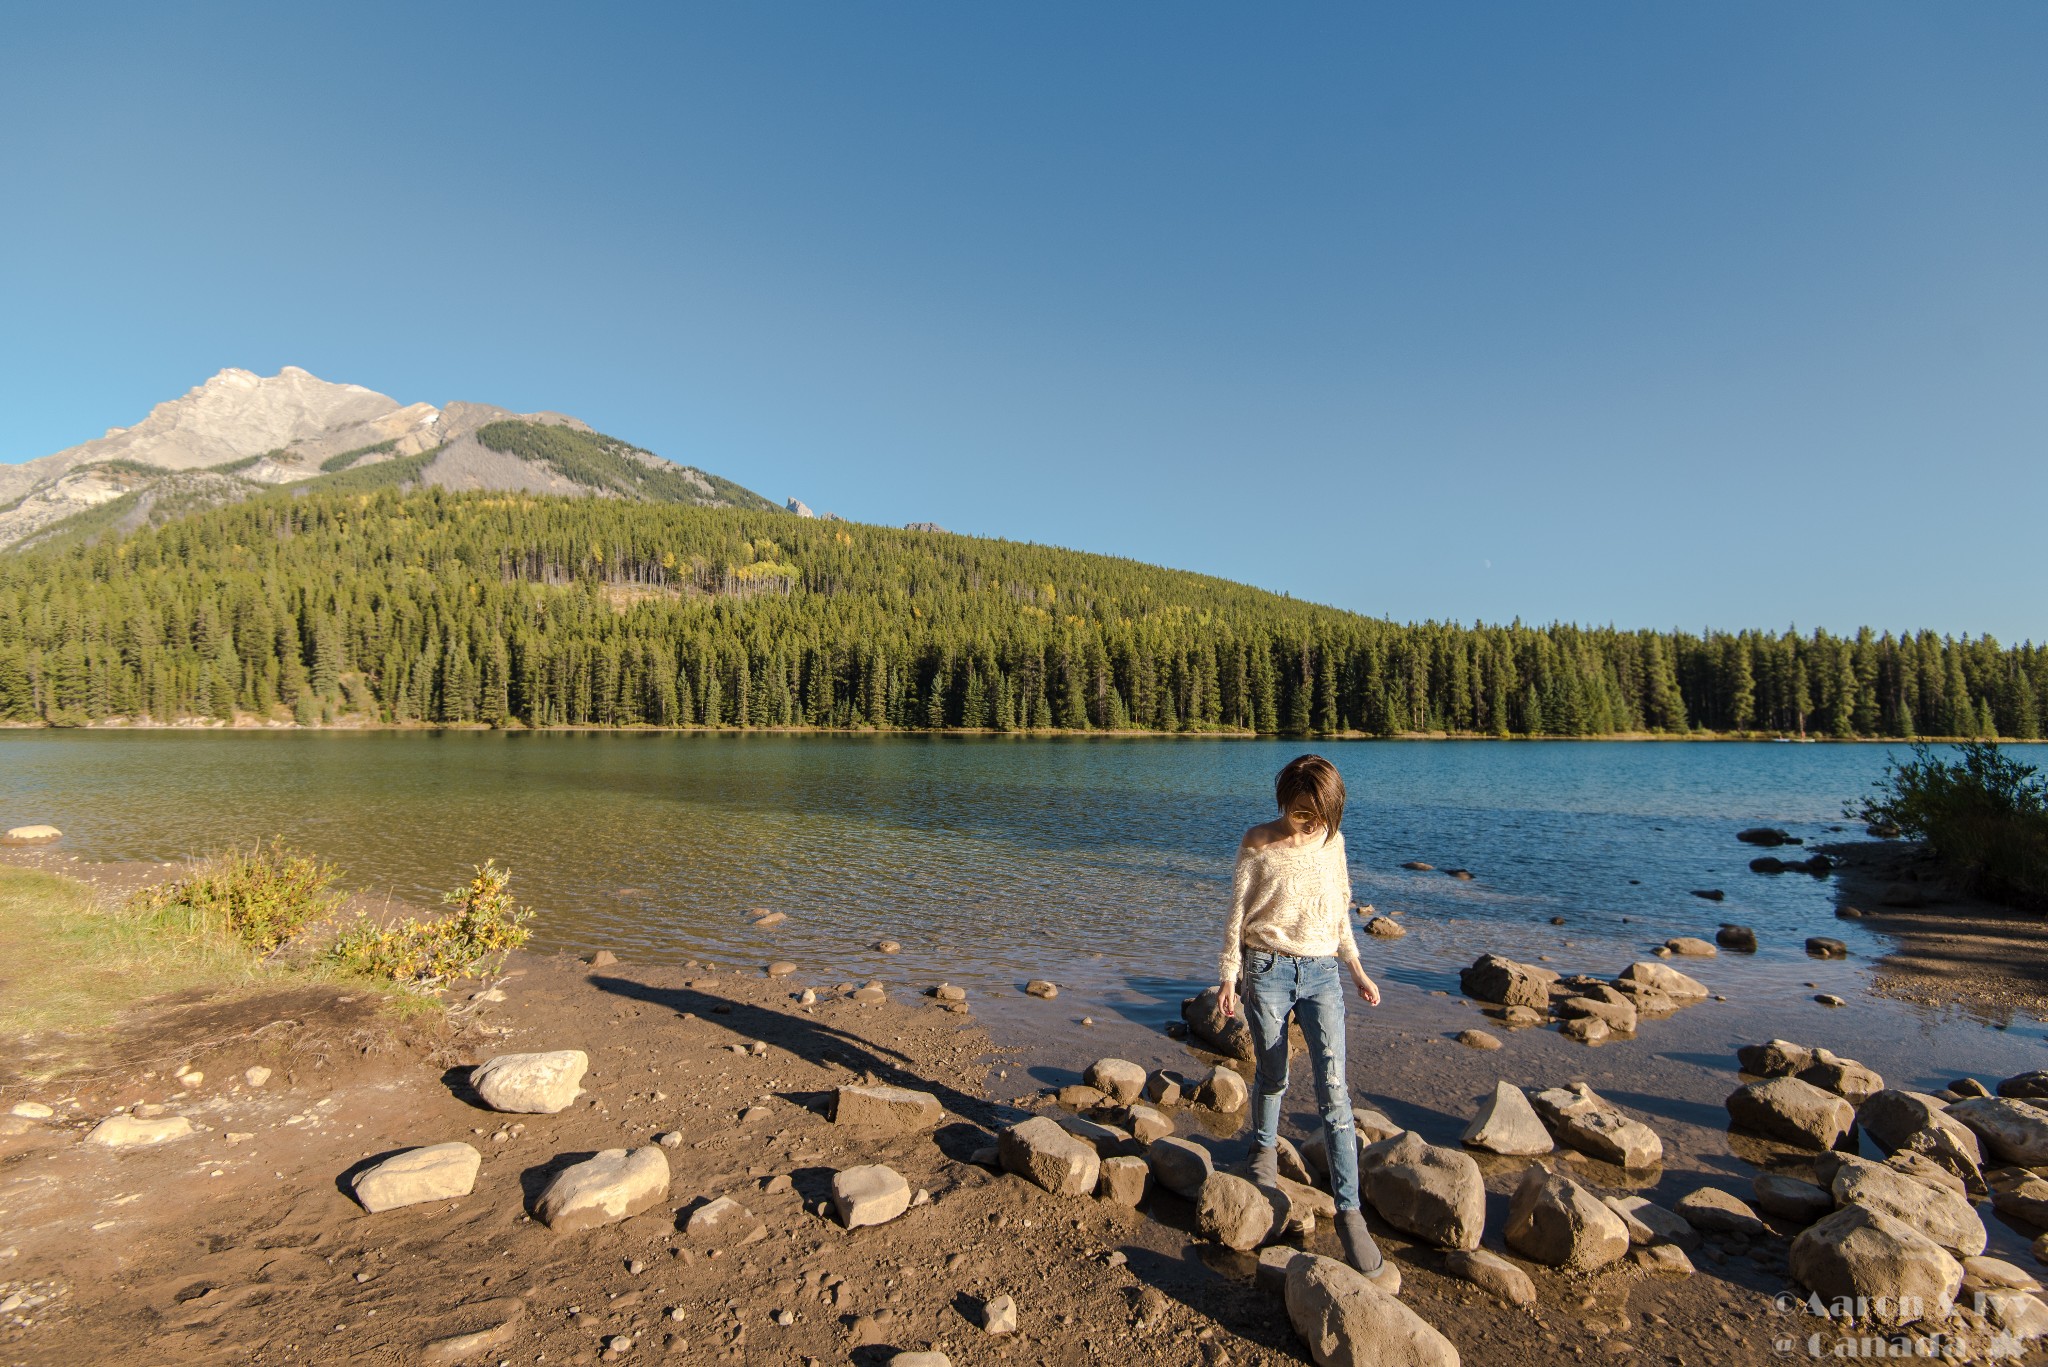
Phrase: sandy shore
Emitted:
{"points": [[242, 1244]]}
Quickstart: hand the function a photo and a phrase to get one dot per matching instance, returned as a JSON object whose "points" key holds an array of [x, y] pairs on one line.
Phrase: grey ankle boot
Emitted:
{"points": [[1359, 1248], [1265, 1169]]}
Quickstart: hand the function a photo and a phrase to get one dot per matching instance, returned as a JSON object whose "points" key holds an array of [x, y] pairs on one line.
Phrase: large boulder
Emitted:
{"points": [[1492, 978], [1915, 1122], [896, 1109], [1107, 1140], [1773, 1058], [531, 1084], [1894, 1273], [2013, 1130], [1180, 1165], [1942, 1215], [1237, 1214], [2019, 1194], [1588, 1122], [1346, 1321], [1434, 1193], [2026, 1086], [1042, 1153], [1507, 1124], [1554, 1220], [603, 1189], [1794, 1112], [437, 1172], [1845, 1077], [1662, 978]]}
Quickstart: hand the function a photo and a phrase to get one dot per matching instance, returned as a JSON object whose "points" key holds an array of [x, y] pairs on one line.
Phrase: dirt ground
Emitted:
{"points": [[241, 1243], [1952, 949]]}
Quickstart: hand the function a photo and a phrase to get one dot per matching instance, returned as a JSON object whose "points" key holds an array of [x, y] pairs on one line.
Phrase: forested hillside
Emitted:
{"points": [[432, 607]]}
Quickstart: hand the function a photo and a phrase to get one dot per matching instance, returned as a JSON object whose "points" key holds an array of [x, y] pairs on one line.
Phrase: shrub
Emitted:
{"points": [[468, 942], [261, 897], [1983, 813]]}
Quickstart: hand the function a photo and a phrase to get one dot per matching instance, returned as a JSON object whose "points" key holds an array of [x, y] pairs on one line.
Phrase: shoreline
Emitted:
{"points": [[273, 1262]]}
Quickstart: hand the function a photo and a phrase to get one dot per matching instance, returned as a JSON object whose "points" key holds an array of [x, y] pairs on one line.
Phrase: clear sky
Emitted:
{"points": [[1712, 314]]}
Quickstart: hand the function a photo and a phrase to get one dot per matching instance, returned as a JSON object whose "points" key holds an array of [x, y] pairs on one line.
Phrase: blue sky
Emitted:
{"points": [[1699, 315]]}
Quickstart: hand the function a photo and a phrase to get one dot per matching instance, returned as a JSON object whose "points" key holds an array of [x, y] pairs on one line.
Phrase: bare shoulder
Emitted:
{"points": [[1260, 836]]}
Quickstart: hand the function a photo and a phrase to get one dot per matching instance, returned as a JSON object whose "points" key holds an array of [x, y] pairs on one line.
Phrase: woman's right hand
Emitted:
{"points": [[1226, 997]]}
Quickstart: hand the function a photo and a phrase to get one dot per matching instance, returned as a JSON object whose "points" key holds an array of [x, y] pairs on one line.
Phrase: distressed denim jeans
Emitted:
{"points": [[1312, 990]]}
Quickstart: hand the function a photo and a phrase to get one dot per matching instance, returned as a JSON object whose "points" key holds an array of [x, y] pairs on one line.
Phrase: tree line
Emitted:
{"points": [[436, 608]]}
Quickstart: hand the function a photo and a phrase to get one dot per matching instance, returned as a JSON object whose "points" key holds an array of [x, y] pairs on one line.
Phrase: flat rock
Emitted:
{"points": [[1794, 1112], [1118, 1079], [1180, 1166], [1237, 1214], [1790, 1199], [1943, 1216], [1081, 1097], [920, 1359], [1585, 1029], [871, 1194], [1664, 1260], [437, 1172], [1491, 1272], [610, 1186], [1042, 1153], [1507, 1124], [1713, 1211], [1650, 1223], [1122, 1181], [1107, 1140], [1432, 1192], [1826, 947], [1897, 1273], [1690, 947], [1555, 1221], [2019, 1195], [719, 1218], [1615, 1015], [32, 834], [1478, 1039], [2026, 1086], [1042, 989], [1347, 1321], [895, 1109], [2010, 1129], [1503, 981], [129, 1132], [1996, 1274], [1663, 978], [531, 1084], [497, 1320], [1588, 1122]]}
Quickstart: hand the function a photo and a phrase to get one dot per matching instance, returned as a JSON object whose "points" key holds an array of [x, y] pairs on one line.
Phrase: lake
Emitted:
{"points": [[1103, 864]]}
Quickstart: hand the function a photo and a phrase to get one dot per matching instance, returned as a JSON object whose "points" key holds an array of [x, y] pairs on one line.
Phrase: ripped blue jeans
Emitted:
{"points": [[1312, 990]]}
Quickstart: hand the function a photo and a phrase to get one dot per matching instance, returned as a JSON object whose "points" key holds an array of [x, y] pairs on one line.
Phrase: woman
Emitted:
{"points": [[1290, 930]]}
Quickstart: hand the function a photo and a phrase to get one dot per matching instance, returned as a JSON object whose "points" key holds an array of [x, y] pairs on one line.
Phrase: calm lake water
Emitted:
{"points": [[1102, 864]]}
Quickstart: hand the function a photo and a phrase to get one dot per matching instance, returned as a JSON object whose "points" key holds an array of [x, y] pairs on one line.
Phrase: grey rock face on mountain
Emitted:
{"points": [[240, 433]]}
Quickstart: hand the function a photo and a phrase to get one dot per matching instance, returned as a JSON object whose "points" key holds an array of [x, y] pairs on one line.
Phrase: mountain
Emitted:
{"points": [[240, 433]]}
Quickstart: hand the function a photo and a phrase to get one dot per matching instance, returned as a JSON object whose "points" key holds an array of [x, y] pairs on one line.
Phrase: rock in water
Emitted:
{"points": [[1223, 1091], [2015, 1131], [437, 1172], [1741, 939], [1713, 1211], [1346, 1321], [872, 1194], [1492, 978], [1180, 1166], [1385, 927], [1691, 947], [1042, 1153], [1237, 1214], [1040, 988], [30, 835], [1845, 1077], [1914, 1122], [1824, 947], [2026, 1086], [1491, 1272], [127, 1131], [1662, 978], [1224, 1034], [896, 1109], [1766, 836], [1588, 1122], [1555, 1221], [531, 1084], [1794, 1112], [1507, 1124], [1118, 1079], [1648, 1223], [1896, 1273], [1148, 1124], [1433, 1193], [603, 1189], [1773, 1058]]}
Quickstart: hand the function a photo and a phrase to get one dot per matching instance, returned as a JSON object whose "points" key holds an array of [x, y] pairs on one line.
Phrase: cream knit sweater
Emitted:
{"points": [[1292, 899]]}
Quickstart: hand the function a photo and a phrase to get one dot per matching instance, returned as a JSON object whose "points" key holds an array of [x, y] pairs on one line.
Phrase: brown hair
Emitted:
{"points": [[1317, 779]]}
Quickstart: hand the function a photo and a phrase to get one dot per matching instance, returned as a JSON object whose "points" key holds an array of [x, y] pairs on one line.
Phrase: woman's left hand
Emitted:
{"points": [[1368, 990]]}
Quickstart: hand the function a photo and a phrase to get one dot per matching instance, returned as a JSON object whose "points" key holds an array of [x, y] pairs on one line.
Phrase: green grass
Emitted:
{"points": [[334, 465], [364, 479], [600, 462]]}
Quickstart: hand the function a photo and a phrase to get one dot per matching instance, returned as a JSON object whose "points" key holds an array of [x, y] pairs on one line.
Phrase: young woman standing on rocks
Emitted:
{"points": [[1289, 932]]}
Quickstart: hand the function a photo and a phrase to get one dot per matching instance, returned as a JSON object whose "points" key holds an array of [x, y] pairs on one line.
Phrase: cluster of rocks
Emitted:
{"points": [[1901, 1238], [1586, 1008]]}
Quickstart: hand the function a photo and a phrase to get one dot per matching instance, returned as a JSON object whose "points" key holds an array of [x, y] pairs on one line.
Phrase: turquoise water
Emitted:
{"points": [[1102, 864]]}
